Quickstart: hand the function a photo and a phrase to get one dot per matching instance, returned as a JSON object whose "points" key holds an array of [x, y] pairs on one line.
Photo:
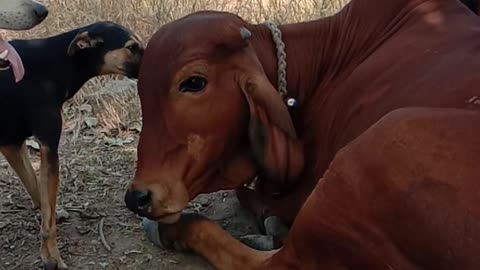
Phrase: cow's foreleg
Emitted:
{"points": [[196, 233]]}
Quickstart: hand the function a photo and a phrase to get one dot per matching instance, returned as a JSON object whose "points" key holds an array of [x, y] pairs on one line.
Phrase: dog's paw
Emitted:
{"points": [[53, 264]]}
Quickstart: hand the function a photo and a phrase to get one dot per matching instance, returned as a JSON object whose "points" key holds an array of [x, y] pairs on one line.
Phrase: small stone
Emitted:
{"points": [[87, 214], [82, 230], [150, 229], [62, 215]]}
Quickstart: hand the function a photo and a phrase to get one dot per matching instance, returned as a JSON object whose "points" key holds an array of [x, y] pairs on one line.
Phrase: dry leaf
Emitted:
{"points": [[85, 108], [91, 121], [135, 126]]}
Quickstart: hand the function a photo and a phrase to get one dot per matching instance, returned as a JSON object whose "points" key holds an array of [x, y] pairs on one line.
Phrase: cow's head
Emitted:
{"points": [[211, 118]]}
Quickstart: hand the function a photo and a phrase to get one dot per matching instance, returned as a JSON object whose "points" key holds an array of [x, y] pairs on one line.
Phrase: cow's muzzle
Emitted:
{"points": [[139, 202]]}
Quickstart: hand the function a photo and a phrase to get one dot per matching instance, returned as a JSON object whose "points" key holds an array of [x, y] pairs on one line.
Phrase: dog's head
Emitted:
{"points": [[109, 47]]}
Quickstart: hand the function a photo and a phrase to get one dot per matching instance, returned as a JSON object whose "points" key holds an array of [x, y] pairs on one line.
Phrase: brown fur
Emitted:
{"points": [[398, 186]]}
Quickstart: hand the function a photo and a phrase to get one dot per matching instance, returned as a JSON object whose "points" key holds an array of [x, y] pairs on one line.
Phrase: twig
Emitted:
{"points": [[10, 211], [78, 210], [82, 254], [102, 236]]}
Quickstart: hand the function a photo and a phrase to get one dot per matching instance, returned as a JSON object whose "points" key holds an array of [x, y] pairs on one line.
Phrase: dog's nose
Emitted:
{"points": [[41, 11], [139, 202]]}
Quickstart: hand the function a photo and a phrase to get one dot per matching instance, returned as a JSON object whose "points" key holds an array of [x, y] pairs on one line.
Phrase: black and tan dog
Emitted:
{"points": [[55, 70]]}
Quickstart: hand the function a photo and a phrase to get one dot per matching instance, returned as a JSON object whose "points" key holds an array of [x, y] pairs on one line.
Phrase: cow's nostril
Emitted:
{"points": [[139, 202], [41, 11], [143, 198]]}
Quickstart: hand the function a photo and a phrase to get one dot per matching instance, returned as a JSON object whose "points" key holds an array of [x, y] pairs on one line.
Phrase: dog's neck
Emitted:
{"points": [[69, 73]]}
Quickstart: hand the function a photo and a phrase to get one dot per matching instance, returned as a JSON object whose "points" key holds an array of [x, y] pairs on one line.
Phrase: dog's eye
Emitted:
{"points": [[193, 84], [133, 47]]}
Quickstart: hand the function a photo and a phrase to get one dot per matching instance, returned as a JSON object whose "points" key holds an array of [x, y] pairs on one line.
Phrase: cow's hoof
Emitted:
{"points": [[275, 227], [163, 235], [259, 241], [275, 232], [171, 236]]}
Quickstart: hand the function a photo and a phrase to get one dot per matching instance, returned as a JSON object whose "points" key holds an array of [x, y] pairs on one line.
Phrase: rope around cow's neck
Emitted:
{"points": [[281, 62]]}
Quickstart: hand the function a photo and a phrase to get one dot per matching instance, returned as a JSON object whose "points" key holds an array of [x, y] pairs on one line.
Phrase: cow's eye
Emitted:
{"points": [[193, 84]]}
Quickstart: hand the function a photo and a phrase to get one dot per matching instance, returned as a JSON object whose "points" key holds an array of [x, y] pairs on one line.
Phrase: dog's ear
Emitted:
{"points": [[82, 41]]}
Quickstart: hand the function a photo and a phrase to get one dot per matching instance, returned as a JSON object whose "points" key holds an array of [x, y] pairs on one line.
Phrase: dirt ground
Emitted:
{"points": [[95, 171]]}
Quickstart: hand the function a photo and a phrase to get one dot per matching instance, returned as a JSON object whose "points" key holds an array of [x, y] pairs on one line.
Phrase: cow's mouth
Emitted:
{"points": [[168, 218]]}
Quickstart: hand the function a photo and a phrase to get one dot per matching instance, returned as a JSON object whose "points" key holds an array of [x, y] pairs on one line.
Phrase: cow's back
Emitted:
{"points": [[430, 60]]}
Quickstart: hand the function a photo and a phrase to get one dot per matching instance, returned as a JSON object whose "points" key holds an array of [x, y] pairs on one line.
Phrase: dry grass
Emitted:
{"points": [[114, 103], [144, 16]]}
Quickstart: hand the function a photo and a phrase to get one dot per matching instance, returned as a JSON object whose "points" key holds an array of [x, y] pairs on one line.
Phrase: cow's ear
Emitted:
{"points": [[273, 139]]}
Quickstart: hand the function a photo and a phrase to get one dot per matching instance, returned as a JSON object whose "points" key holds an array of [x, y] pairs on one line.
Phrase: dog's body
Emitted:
{"points": [[56, 68], [52, 77]]}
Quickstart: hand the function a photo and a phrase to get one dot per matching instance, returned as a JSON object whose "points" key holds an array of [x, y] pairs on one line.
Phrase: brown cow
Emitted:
{"points": [[386, 109]]}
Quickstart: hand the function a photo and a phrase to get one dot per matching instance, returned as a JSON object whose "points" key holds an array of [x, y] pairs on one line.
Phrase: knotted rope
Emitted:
{"points": [[281, 62], [281, 58]]}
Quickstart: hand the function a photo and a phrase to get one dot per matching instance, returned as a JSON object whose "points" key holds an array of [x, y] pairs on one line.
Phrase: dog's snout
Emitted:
{"points": [[41, 11], [139, 202]]}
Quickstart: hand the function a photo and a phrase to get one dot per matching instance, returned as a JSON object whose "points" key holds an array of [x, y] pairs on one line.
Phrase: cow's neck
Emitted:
{"points": [[67, 73], [318, 53], [304, 59], [321, 55]]}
